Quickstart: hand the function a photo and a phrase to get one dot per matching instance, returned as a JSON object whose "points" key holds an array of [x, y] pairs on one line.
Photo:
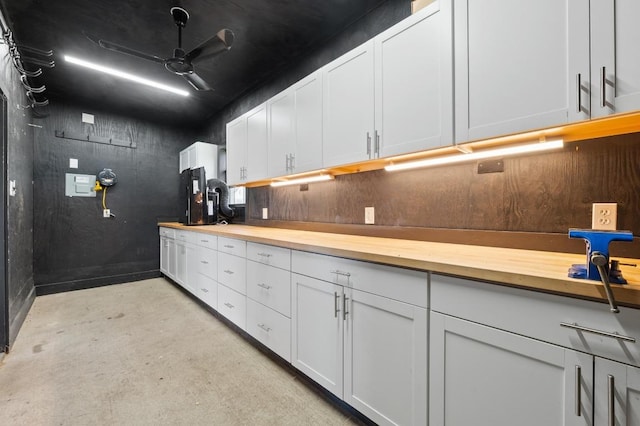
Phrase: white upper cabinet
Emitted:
{"points": [[237, 151], [280, 110], [413, 83], [307, 95], [200, 154], [615, 61], [517, 65], [257, 143], [348, 107]]}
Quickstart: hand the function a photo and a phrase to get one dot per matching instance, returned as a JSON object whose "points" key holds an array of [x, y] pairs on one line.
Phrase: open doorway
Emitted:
{"points": [[4, 297]]}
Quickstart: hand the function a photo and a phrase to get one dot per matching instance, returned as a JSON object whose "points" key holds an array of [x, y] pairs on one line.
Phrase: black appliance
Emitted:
{"points": [[196, 206]]}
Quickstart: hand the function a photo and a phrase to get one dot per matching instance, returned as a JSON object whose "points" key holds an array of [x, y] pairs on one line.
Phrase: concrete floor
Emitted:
{"points": [[144, 353]]}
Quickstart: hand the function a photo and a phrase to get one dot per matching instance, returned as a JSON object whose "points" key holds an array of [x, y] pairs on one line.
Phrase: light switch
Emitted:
{"points": [[73, 163]]}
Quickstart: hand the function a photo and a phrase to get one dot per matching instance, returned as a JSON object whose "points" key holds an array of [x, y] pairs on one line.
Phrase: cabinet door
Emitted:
{"points": [[281, 144], [317, 331], [386, 359], [413, 76], [184, 160], [181, 263], [617, 393], [308, 123], [483, 376], [517, 64], [164, 255], [348, 108], [615, 63], [236, 151], [257, 143], [171, 258]]}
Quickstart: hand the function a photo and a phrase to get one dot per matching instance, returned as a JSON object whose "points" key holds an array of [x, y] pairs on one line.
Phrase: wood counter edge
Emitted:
{"points": [[625, 295]]}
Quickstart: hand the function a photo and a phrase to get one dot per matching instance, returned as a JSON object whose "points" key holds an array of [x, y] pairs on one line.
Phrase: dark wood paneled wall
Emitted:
{"points": [[75, 247], [544, 194], [19, 208]]}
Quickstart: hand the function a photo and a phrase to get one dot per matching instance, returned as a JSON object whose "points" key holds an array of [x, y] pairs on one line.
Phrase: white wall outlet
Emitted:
{"points": [[369, 216], [73, 163], [604, 216], [106, 213], [265, 213]]}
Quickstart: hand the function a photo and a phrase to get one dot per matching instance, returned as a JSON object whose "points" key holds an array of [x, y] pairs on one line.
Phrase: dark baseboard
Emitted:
{"points": [[51, 288]]}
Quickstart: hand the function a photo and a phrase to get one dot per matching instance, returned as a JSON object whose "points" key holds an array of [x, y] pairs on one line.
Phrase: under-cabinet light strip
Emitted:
{"points": [[478, 155], [317, 178], [124, 75]]}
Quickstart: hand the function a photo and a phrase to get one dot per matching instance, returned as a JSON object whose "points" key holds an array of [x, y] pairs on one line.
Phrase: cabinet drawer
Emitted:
{"points": [[269, 286], [206, 262], [405, 285], [540, 315], [270, 328], [182, 236], [269, 255], [203, 240], [232, 305], [206, 289], [231, 246], [232, 272], [168, 233]]}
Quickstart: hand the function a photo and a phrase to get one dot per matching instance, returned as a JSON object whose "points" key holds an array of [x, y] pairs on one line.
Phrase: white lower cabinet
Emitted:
{"points": [[167, 252], [367, 349], [232, 305], [270, 328], [501, 356]]}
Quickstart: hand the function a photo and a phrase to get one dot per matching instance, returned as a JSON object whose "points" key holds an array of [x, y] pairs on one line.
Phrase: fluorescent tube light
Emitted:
{"points": [[478, 155], [316, 178], [124, 75]]}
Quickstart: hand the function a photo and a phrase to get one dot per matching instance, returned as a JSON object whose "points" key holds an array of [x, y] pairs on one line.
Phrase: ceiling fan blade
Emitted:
{"points": [[126, 50], [196, 81], [221, 42]]}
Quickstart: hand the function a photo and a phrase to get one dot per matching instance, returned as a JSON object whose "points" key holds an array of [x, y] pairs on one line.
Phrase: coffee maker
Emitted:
{"points": [[197, 205]]}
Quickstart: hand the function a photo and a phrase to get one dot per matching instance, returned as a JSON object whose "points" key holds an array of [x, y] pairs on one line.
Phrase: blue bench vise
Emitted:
{"points": [[598, 253]]}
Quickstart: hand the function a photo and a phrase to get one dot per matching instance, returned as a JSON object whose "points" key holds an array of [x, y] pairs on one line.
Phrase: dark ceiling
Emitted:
{"points": [[270, 35]]}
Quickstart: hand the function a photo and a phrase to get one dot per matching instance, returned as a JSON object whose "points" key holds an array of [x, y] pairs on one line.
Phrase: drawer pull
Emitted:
{"points": [[204, 262], [228, 246], [338, 272], [204, 241], [264, 327], [264, 254], [229, 305], [578, 391], [265, 286], [204, 290], [227, 271], [613, 335]]}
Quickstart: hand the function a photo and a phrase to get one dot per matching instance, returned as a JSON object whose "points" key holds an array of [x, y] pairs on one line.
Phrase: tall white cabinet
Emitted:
{"points": [[517, 65], [237, 151]]}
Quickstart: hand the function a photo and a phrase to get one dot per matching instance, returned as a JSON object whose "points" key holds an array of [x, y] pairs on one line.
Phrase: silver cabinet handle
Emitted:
{"points": [[613, 335], [376, 146], [228, 246], [204, 262], [611, 390], [204, 290], [229, 305], [264, 327], [368, 145], [335, 304], [286, 163], [264, 254], [227, 271], [338, 272], [603, 87], [344, 308], [578, 391], [292, 163], [266, 287]]}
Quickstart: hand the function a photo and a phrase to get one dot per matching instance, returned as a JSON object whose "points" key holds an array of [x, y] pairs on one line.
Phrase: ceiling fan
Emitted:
{"points": [[181, 63]]}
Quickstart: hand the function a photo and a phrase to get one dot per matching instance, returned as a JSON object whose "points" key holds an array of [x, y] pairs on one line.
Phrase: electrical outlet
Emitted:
{"points": [[106, 213], [369, 216], [604, 216], [265, 213]]}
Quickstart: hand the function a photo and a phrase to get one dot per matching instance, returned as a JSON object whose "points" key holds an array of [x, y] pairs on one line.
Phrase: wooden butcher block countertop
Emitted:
{"points": [[536, 270]]}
